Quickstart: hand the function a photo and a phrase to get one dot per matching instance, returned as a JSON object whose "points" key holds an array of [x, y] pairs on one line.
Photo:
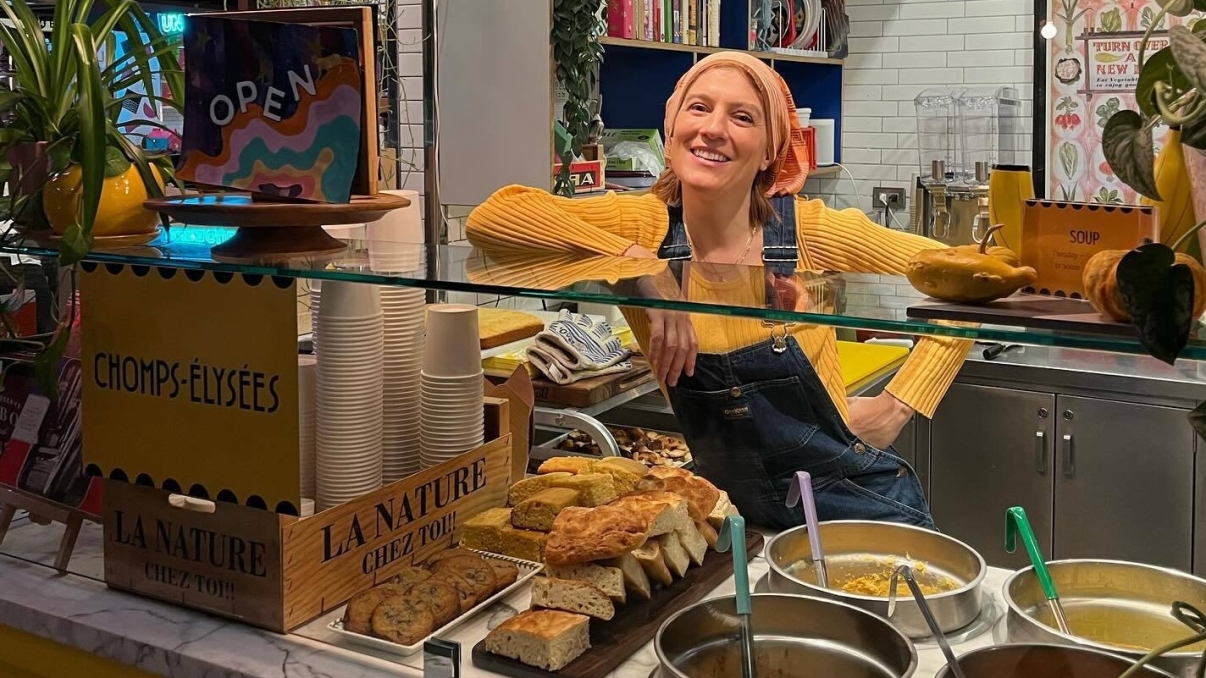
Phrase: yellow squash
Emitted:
{"points": [[969, 274], [1100, 281], [1175, 213]]}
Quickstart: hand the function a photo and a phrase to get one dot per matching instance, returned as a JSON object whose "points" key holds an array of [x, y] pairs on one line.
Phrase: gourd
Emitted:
{"points": [[1099, 278], [969, 274]]}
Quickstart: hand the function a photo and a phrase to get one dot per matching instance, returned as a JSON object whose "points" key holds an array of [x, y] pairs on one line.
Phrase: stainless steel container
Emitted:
{"points": [[854, 548], [1114, 606], [1033, 660], [791, 634]]}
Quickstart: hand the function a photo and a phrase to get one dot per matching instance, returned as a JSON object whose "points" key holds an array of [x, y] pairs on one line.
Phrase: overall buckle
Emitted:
{"points": [[778, 334]]}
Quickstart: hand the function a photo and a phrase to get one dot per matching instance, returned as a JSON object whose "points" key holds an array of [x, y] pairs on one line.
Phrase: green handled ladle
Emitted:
{"points": [[1016, 523], [732, 535]]}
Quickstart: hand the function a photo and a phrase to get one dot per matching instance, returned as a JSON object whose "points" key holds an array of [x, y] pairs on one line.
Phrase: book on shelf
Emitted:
{"points": [[685, 22]]}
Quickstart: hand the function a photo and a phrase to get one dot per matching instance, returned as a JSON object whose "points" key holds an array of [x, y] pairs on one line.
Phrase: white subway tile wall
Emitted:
{"points": [[899, 48]]}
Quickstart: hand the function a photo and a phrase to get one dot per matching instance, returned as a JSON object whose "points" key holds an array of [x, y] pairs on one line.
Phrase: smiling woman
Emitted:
{"points": [[756, 401]]}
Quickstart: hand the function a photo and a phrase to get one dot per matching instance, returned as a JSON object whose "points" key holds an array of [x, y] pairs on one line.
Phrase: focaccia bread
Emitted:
{"points": [[674, 554], [649, 555], [546, 639], [572, 596], [609, 580], [626, 481], [500, 326], [580, 535], [664, 511], [700, 494], [491, 531], [693, 542], [594, 489], [635, 579]]}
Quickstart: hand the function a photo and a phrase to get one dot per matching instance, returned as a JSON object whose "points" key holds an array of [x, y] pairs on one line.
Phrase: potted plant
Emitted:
{"points": [[577, 53], [1155, 286], [62, 133]]}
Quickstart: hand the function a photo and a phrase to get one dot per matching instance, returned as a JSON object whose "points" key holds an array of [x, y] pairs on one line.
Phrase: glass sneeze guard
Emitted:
{"points": [[740, 291]]}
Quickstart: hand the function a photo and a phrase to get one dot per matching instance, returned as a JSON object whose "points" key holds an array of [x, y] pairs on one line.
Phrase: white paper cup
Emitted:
{"points": [[395, 241], [453, 347], [342, 300]]}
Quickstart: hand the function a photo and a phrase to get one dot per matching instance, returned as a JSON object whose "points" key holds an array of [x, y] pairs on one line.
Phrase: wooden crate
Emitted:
{"points": [[279, 572]]}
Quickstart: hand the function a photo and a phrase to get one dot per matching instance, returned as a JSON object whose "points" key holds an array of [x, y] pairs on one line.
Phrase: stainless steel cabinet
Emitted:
{"points": [[1098, 478], [991, 448], [1124, 482]]}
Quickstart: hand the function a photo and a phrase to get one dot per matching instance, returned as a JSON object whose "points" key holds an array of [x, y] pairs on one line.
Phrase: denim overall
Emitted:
{"points": [[756, 415]]}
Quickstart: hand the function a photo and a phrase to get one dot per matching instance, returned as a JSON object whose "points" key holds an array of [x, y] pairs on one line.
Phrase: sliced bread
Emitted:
{"points": [[693, 542], [609, 580], [571, 595], [650, 557], [708, 532], [594, 489], [635, 579], [546, 639], [565, 465], [522, 489], [538, 511], [673, 553], [723, 509]]}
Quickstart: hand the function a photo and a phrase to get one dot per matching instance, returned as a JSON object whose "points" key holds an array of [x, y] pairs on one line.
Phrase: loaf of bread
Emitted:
{"points": [[708, 532], [580, 535], [523, 489], [701, 495], [538, 511], [594, 489], [564, 465], [693, 543], [609, 580], [723, 509], [673, 553], [500, 326], [572, 595], [635, 579], [650, 557], [664, 511], [631, 466], [546, 639]]}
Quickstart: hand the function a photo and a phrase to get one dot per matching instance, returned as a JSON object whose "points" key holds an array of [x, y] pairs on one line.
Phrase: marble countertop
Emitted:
{"points": [[77, 609]]}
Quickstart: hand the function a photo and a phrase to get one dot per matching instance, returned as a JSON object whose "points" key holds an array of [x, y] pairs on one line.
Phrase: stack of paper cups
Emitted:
{"points": [[451, 384], [395, 241], [307, 381], [401, 364]]}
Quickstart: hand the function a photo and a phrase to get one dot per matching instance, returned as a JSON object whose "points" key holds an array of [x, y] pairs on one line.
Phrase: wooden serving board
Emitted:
{"points": [[636, 623], [1034, 311], [593, 391]]}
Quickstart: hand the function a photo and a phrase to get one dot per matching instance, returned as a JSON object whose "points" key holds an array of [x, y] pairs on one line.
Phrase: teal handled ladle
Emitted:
{"points": [[1016, 523], [799, 491], [732, 535]]}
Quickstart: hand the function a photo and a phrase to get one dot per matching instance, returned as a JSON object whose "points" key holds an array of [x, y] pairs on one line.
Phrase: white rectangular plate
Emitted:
{"points": [[527, 570]]}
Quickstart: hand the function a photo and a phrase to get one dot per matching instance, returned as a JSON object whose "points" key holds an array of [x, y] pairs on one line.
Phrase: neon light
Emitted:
{"points": [[170, 23]]}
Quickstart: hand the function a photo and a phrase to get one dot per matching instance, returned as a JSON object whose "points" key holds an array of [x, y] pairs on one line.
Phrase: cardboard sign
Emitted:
{"points": [[272, 108], [1058, 238], [1114, 60], [190, 379], [280, 572]]}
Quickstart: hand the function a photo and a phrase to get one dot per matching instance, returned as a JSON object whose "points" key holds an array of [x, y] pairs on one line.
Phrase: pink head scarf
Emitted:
{"points": [[785, 137]]}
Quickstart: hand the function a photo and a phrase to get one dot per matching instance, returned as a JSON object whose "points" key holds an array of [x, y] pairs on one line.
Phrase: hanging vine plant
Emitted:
{"points": [[577, 27]]}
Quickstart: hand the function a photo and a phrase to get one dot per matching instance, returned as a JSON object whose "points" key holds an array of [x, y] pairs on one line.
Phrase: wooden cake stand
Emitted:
{"points": [[270, 230]]}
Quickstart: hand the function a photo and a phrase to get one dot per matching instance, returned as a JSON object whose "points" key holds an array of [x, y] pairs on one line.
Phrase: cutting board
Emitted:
{"points": [[595, 390], [1033, 311], [613, 642]]}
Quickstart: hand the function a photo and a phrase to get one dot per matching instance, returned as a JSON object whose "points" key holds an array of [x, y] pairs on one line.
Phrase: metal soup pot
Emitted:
{"points": [[1113, 606], [1045, 661], [854, 548], [791, 633]]}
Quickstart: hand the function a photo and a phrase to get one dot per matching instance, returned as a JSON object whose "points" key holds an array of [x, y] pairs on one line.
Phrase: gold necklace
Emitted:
{"points": [[744, 253]]}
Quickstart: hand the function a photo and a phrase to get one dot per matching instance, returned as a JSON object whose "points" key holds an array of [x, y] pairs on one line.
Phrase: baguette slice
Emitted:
{"points": [[673, 553], [609, 580], [571, 595], [693, 542], [650, 558], [635, 579], [546, 639], [523, 489]]}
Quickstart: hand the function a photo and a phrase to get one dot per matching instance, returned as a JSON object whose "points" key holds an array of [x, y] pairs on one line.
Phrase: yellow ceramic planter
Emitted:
{"points": [[120, 211]]}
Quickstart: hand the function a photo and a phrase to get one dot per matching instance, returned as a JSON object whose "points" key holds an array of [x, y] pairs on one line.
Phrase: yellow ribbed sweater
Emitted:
{"points": [[525, 220]]}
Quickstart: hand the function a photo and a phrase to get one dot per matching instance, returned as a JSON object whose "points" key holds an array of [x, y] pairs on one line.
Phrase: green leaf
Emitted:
{"points": [[1111, 21], [1128, 148], [1190, 53], [116, 164], [46, 363], [1158, 293], [1159, 67], [1199, 25], [60, 155], [1197, 419], [74, 245], [1177, 7], [1193, 134], [91, 112]]}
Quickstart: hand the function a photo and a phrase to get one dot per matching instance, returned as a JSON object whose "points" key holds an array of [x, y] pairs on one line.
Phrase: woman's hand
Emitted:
{"points": [[878, 421], [672, 345]]}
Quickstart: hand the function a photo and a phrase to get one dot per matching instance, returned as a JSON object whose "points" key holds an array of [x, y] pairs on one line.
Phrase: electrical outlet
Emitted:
{"points": [[896, 197]]}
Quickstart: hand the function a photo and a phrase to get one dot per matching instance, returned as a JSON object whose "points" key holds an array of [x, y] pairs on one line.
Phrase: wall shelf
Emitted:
{"points": [[697, 49]]}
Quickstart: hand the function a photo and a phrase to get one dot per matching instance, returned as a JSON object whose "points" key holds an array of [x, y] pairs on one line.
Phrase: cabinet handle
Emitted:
{"points": [[1040, 452], [1069, 460]]}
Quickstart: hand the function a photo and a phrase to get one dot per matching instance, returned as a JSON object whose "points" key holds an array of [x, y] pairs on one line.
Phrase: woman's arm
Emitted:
{"points": [[847, 240], [530, 219]]}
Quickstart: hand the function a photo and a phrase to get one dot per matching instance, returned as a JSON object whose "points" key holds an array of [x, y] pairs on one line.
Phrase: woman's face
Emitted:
{"points": [[719, 138]]}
